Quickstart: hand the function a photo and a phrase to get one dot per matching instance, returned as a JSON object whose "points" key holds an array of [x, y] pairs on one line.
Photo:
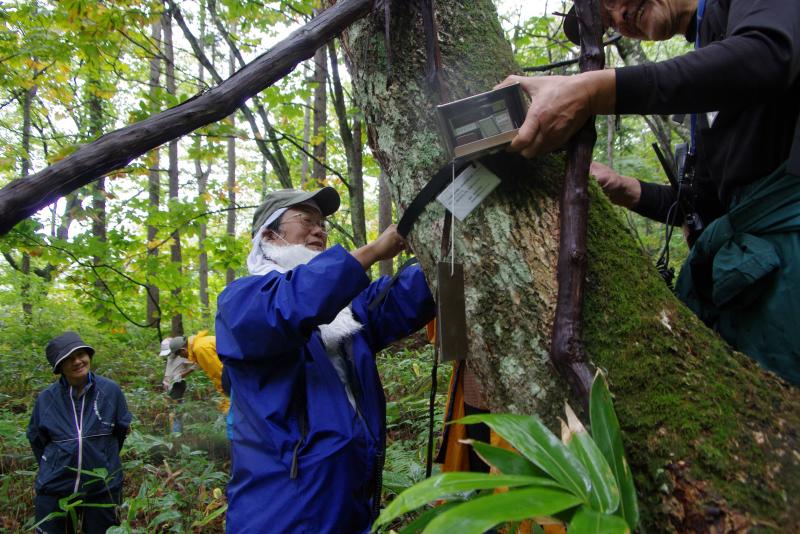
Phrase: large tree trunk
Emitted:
{"points": [[712, 439], [384, 219]]}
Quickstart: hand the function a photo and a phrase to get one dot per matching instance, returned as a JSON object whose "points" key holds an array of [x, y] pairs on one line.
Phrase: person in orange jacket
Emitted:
{"points": [[201, 349]]}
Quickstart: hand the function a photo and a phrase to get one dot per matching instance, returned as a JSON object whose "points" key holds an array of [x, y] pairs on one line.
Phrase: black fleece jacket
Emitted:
{"points": [[743, 82]]}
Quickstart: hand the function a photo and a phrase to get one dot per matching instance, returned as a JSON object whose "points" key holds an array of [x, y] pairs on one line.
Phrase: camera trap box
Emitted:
{"points": [[483, 123]]}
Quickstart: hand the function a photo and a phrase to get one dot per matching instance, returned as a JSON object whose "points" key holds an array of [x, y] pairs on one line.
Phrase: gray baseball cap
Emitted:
{"points": [[177, 343], [326, 198]]}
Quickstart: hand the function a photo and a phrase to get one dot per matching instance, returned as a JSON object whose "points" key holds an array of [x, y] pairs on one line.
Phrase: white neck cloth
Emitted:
{"points": [[266, 257]]}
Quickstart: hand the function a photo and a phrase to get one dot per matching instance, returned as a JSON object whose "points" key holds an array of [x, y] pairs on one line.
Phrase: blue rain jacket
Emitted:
{"points": [[103, 417], [268, 339]]}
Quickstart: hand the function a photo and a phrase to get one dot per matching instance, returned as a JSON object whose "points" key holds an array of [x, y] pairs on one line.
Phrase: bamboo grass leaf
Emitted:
{"points": [[426, 517], [587, 521], [608, 437], [449, 484], [479, 515], [605, 492], [534, 440], [505, 461]]}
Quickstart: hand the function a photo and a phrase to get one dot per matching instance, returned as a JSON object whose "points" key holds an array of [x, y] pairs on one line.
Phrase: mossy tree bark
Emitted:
{"points": [[713, 440]]}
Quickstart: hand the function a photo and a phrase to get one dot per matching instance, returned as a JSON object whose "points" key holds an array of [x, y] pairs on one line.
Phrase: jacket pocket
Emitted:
{"points": [[54, 475]]}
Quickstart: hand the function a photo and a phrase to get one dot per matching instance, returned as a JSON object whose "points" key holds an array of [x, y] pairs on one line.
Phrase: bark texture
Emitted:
{"points": [[713, 440], [384, 219]]}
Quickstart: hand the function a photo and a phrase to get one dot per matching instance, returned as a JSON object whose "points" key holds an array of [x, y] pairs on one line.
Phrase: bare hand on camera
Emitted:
{"points": [[560, 105]]}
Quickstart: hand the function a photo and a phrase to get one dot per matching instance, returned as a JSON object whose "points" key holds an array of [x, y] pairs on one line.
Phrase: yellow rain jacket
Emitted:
{"points": [[203, 352]]}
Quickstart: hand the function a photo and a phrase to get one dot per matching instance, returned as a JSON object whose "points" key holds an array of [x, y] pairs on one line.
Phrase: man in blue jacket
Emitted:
{"points": [[78, 426], [299, 339]]}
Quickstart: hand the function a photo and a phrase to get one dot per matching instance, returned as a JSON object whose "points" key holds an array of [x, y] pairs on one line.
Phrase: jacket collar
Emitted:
{"points": [[65, 385]]}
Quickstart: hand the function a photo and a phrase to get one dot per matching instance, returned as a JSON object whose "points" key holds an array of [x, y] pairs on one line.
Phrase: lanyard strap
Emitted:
{"points": [[701, 11]]}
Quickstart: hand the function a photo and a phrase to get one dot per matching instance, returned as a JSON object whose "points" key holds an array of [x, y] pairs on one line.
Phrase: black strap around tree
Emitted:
{"points": [[428, 193], [500, 163]]}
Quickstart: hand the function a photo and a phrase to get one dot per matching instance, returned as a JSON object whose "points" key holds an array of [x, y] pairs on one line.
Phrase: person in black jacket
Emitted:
{"points": [[741, 83], [76, 431]]}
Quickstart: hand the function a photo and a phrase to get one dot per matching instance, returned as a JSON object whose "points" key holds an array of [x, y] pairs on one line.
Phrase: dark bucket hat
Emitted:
{"points": [[572, 26], [62, 346], [326, 198], [571, 29]]}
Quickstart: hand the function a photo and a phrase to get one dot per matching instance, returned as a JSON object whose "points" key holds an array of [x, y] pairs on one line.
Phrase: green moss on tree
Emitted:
{"points": [[680, 390]]}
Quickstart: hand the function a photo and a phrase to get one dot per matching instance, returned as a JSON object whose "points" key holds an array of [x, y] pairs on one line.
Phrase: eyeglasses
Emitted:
{"points": [[308, 222]]}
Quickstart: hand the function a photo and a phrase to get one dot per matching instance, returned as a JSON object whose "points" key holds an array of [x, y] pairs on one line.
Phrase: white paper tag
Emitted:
{"points": [[471, 187]]}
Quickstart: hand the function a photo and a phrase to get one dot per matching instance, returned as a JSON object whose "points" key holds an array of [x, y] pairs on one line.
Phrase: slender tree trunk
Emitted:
{"points": [[304, 166], [320, 115], [230, 274], [351, 140], [358, 215], [153, 188], [202, 186], [73, 202], [263, 178], [385, 267], [711, 438], [174, 184], [25, 289], [25, 169], [98, 190]]}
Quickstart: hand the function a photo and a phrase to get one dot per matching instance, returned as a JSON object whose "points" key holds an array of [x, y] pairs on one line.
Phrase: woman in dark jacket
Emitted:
{"points": [[76, 432]]}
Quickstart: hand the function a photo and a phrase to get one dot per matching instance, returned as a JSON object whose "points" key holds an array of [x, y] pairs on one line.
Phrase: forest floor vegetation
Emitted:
{"points": [[176, 482]]}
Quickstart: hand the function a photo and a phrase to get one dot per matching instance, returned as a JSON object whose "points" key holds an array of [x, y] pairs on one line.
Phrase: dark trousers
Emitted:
{"points": [[92, 520]]}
